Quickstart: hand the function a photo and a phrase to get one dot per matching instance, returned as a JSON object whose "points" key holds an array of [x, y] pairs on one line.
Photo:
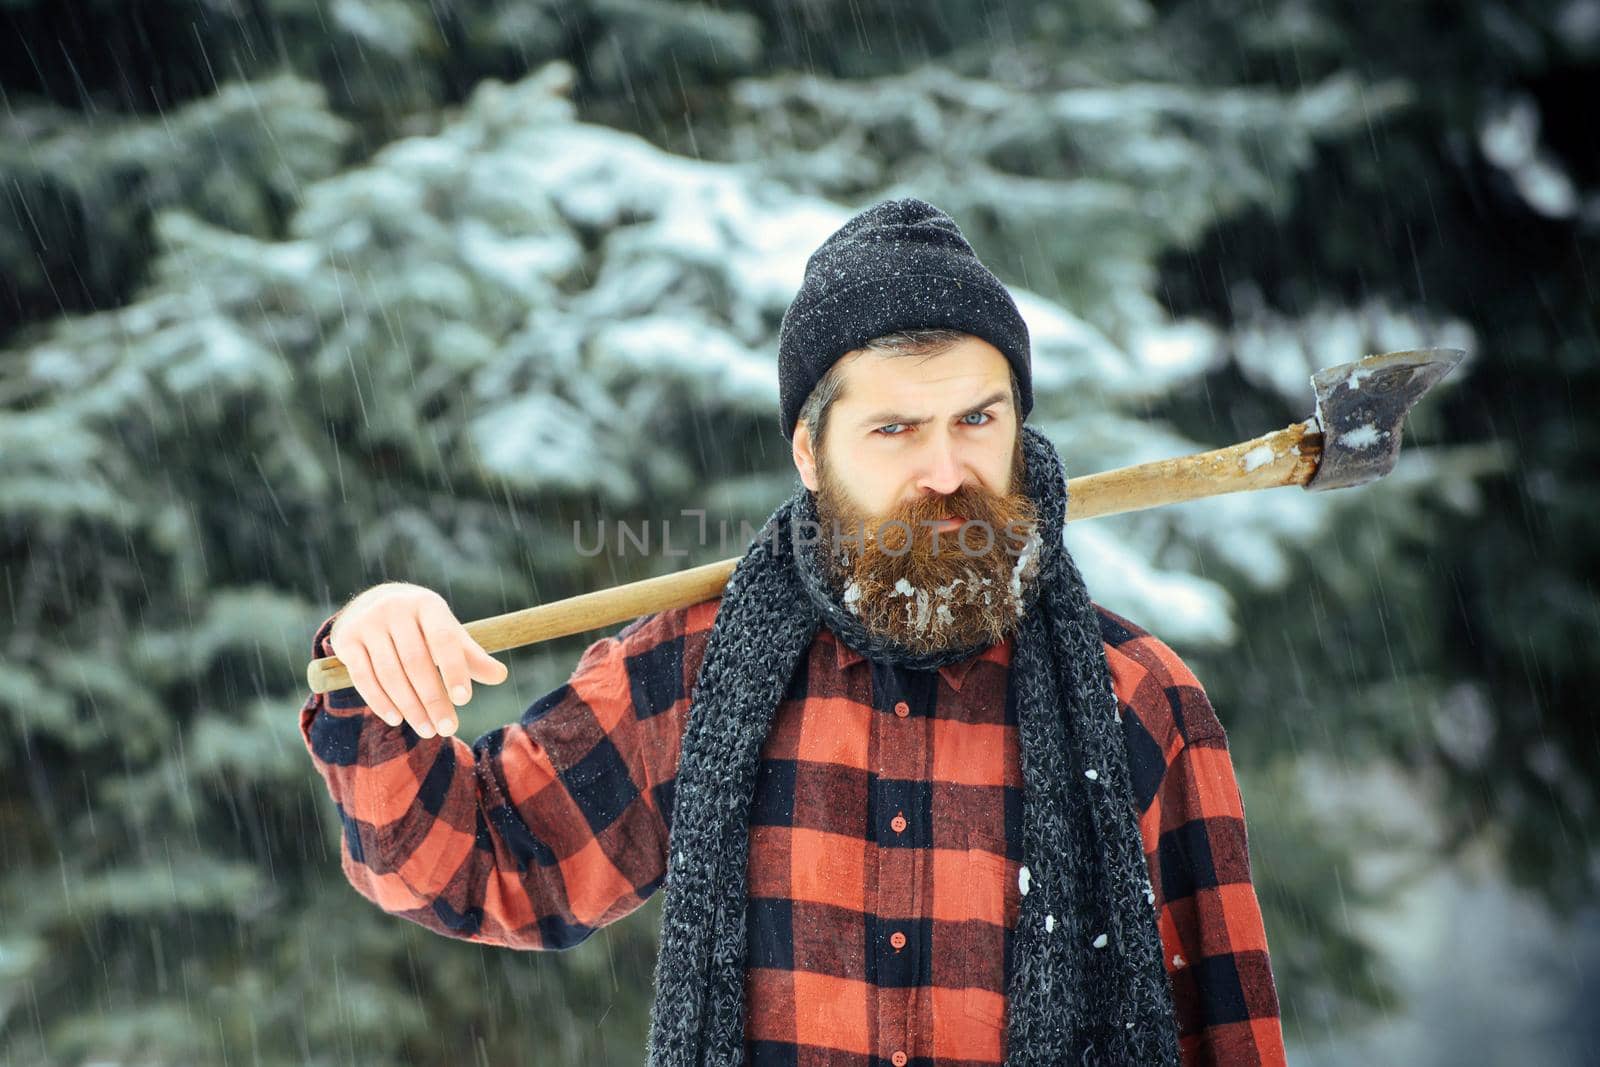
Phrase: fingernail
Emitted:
{"points": [[459, 694], [448, 726]]}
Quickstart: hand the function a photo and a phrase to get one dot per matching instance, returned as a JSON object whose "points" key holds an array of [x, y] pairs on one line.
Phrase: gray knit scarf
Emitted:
{"points": [[1092, 988]]}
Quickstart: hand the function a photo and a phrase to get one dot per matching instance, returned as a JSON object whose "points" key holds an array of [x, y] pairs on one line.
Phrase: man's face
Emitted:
{"points": [[911, 440]]}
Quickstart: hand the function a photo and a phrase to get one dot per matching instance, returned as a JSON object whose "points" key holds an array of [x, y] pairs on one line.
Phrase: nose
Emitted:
{"points": [[944, 471]]}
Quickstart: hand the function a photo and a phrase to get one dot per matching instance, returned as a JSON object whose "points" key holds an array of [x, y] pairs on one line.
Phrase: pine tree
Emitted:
{"points": [[393, 297]]}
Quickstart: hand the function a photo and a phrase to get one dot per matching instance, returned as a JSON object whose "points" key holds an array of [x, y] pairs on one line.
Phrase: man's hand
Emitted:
{"points": [[404, 649]]}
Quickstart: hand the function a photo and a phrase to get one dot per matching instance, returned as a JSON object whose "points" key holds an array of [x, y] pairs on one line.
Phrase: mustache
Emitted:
{"points": [[970, 501], [990, 521]]}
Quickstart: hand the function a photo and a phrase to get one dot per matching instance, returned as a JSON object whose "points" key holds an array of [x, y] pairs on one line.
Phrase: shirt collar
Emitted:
{"points": [[954, 673]]}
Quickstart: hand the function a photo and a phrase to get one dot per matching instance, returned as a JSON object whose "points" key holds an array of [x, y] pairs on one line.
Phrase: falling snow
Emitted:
{"points": [[283, 323]]}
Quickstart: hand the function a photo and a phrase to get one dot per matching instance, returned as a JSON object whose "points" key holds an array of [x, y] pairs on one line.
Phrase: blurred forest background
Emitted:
{"points": [[301, 295]]}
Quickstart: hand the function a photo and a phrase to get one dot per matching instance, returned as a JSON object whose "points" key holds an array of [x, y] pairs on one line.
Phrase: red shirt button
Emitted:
{"points": [[898, 1059], [899, 823], [897, 939], [902, 709]]}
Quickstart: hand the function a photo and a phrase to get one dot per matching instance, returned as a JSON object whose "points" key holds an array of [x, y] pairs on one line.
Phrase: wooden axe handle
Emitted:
{"points": [[1283, 457]]}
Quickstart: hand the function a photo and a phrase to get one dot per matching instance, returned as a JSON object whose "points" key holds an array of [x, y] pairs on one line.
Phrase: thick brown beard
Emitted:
{"points": [[961, 596]]}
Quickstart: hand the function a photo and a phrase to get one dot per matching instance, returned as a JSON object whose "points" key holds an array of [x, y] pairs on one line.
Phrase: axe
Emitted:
{"points": [[1352, 438]]}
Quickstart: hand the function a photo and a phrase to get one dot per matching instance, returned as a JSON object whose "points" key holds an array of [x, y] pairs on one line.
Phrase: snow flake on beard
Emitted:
{"points": [[1029, 553]]}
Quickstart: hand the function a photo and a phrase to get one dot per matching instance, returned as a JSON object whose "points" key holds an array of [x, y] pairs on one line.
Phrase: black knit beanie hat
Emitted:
{"points": [[898, 265]]}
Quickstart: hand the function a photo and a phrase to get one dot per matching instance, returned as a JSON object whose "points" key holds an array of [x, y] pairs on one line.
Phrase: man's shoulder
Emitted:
{"points": [[670, 642], [652, 661], [1153, 680], [691, 622], [1136, 645]]}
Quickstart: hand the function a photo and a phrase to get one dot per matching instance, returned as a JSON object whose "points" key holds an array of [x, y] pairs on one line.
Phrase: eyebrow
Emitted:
{"points": [[884, 418]]}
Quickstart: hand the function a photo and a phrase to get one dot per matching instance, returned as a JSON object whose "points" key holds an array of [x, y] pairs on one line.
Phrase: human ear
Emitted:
{"points": [[805, 460]]}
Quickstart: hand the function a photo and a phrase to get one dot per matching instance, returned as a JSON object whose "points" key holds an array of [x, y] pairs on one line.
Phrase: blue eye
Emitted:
{"points": [[887, 430]]}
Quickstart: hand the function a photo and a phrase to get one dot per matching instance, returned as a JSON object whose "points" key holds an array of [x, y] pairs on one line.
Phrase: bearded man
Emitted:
{"points": [[913, 796]]}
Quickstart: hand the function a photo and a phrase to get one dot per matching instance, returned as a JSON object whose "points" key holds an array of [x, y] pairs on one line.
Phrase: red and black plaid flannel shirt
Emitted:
{"points": [[884, 837]]}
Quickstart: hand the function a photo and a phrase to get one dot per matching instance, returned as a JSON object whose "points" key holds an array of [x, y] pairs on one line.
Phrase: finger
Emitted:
{"points": [[484, 667], [423, 673], [444, 637], [396, 683], [354, 656]]}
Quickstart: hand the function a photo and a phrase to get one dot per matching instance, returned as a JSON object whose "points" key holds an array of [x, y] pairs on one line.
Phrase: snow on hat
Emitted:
{"points": [[898, 265]]}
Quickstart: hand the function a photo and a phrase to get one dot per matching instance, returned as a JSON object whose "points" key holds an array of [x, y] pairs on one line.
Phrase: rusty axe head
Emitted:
{"points": [[1360, 408]]}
